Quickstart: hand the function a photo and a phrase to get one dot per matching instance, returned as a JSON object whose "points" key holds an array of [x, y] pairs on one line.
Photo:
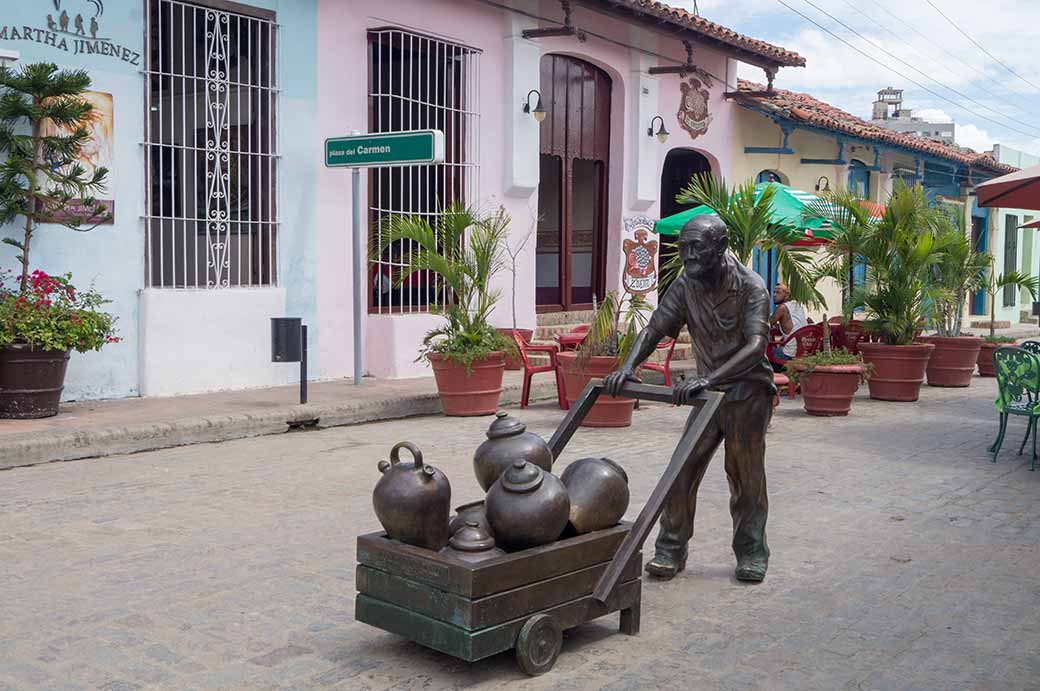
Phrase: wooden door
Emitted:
{"points": [[572, 190]]}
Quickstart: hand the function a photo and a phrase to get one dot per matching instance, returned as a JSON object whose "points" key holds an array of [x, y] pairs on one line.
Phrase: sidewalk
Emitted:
{"points": [[87, 429]]}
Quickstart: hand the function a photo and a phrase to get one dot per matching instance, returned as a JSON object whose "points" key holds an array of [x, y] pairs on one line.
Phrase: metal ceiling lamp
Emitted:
{"points": [[567, 29], [661, 134], [539, 112]]}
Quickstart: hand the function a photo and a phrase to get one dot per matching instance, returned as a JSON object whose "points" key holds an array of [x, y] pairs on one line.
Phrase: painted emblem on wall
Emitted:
{"points": [[73, 26], [640, 275], [693, 112]]}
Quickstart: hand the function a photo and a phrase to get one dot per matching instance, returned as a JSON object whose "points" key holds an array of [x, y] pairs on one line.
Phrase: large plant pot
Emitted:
{"points": [[468, 393], [829, 389], [31, 381], [607, 411], [985, 359], [953, 360], [898, 369], [513, 361]]}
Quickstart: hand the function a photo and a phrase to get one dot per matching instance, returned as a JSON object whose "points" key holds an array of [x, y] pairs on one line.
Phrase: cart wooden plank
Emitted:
{"points": [[476, 645], [486, 611], [480, 579]]}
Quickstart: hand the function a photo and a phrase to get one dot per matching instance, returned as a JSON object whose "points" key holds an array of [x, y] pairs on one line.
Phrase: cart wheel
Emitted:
{"points": [[538, 644]]}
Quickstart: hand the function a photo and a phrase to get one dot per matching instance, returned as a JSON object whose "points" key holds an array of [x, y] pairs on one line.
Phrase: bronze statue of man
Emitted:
{"points": [[726, 307]]}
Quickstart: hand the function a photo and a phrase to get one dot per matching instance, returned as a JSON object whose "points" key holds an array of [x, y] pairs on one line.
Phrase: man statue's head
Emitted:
{"points": [[702, 246]]}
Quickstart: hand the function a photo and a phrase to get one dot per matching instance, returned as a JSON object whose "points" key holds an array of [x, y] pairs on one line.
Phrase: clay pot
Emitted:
{"points": [[513, 362], [953, 360], [412, 500], [507, 441], [472, 543], [598, 490], [527, 507], [607, 411], [898, 369], [31, 381], [985, 359], [473, 512], [475, 392], [829, 389]]}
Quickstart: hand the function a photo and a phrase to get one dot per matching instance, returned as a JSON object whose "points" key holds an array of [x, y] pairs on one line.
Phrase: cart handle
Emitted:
{"points": [[592, 391]]}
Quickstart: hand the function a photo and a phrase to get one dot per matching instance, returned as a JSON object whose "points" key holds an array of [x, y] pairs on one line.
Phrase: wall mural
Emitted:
{"points": [[640, 275], [98, 151], [693, 112], [73, 26]]}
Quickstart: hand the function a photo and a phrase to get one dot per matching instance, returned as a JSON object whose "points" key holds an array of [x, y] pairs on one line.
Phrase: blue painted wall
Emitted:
{"points": [[112, 257]]}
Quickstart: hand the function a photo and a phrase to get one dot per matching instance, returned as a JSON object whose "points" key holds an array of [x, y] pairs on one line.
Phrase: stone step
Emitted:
{"points": [[557, 318], [682, 352], [546, 333], [984, 324]]}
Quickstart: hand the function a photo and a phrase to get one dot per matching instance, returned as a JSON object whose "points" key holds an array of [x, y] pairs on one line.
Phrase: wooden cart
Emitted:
{"points": [[524, 600]]}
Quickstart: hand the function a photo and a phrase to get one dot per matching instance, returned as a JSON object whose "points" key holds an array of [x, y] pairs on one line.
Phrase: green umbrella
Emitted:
{"points": [[789, 205]]}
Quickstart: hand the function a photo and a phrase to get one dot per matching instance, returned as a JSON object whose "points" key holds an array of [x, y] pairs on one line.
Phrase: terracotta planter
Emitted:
{"points": [[985, 359], [607, 411], [513, 361], [469, 393], [898, 369], [829, 389], [31, 381], [953, 360]]}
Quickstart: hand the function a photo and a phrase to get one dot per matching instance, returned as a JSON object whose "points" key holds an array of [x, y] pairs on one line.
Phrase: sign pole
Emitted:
{"points": [[355, 184]]}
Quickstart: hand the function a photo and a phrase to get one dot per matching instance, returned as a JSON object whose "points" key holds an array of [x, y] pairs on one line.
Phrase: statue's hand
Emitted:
{"points": [[615, 381], [685, 391]]}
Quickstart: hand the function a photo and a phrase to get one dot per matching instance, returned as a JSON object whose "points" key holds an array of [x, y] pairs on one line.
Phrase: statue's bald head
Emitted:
{"points": [[702, 246]]}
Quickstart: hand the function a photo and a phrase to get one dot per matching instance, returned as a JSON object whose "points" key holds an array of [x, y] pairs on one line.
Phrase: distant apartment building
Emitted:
{"points": [[889, 113]]}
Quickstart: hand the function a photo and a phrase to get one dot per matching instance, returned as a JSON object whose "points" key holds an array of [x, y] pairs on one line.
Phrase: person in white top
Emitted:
{"points": [[789, 316]]}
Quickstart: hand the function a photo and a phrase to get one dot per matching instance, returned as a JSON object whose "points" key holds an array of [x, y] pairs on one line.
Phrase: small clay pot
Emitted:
{"points": [[473, 511], [472, 543]]}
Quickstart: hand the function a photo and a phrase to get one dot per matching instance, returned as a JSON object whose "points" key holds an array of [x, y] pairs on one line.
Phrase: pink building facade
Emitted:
{"points": [[569, 183]]}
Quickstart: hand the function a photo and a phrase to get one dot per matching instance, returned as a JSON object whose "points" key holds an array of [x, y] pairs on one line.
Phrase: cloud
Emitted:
{"points": [[933, 115]]}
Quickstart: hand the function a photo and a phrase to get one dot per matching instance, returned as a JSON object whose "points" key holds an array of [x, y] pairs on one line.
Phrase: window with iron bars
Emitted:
{"points": [[419, 82], [210, 146]]}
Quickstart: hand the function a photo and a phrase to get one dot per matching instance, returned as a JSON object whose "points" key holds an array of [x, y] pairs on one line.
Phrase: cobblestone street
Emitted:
{"points": [[902, 558]]}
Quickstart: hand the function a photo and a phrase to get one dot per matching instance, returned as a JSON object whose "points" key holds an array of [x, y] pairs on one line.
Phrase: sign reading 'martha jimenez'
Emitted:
{"points": [[414, 147]]}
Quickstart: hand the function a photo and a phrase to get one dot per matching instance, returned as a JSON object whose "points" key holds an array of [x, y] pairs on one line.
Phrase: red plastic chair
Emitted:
{"points": [[665, 368], [854, 334], [530, 370], [809, 340]]}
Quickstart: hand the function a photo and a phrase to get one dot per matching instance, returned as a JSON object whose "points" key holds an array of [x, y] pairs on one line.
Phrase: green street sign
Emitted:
{"points": [[414, 147]]}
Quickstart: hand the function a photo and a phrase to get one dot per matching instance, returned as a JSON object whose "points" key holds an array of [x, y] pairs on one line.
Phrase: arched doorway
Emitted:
{"points": [[572, 189], [679, 166]]}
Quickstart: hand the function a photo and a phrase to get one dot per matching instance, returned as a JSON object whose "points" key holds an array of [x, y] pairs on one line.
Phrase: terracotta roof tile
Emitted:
{"points": [[687, 20], [805, 108]]}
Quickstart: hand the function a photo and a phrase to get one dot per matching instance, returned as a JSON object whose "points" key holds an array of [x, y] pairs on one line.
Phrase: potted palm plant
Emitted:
{"points": [[752, 223], [44, 123], [993, 283], [466, 353], [829, 379], [899, 255], [612, 333], [959, 270]]}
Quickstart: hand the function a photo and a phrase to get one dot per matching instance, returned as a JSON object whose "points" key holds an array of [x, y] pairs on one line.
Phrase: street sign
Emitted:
{"points": [[414, 147]]}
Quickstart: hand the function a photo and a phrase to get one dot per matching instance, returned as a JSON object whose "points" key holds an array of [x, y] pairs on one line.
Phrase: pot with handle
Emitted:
{"points": [[413, 500]]}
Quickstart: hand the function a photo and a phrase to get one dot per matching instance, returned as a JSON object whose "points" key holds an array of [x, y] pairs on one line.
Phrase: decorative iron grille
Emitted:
{"points": [[210, 147], [419, 82]]}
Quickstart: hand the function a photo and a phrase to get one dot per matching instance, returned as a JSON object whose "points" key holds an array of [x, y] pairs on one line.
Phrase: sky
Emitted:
{"points": [[956, 80]]}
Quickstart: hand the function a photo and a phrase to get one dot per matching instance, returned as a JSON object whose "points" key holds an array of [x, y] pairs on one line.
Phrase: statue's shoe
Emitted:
{"points": [[666, 565], [751, 571]]}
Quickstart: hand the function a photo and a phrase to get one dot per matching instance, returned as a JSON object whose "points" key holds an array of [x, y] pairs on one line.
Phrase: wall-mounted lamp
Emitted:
{"points": [[823, 184], [539, 112], [8, 57], [661, 133]]}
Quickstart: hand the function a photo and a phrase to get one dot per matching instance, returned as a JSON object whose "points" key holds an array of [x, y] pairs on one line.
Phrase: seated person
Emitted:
{"points": [[788, 317]]}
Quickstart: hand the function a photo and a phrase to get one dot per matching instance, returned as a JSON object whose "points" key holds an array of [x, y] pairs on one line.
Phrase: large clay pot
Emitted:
{"points": [[898, 369], [507, 441], [412, 500], [513, 362], [607, 411], [31, 381], [953, 360], [527, 507], [828, 390], [598, 490], [985, 359], [466, 393]]}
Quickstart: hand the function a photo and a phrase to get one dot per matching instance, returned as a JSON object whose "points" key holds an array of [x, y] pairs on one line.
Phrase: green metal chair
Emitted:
{"points": [[1018, 393], [1032, 346]]}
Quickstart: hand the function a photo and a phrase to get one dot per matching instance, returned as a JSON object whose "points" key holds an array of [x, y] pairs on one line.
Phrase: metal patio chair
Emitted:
{"points": [[1032, 346], [1018, 393]]}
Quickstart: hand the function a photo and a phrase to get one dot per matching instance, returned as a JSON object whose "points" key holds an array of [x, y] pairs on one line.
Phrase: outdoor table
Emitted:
{"points": [[570, 341]]}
